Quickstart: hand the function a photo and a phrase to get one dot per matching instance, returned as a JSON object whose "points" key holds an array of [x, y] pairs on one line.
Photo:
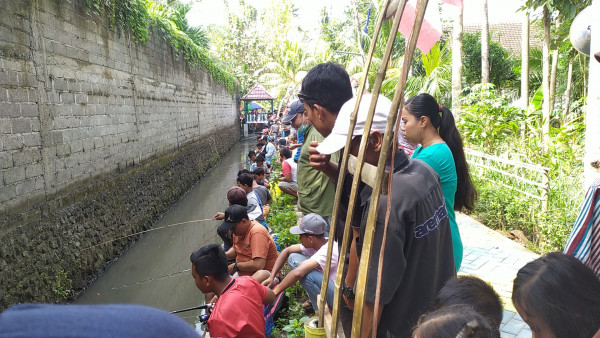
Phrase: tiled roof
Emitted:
{"points": [[258, 92], [508, 35]]}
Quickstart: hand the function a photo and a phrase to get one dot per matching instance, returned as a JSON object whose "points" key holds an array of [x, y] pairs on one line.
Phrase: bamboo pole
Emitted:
{"points": [[338, 194], [387, 142], [357, 174]]}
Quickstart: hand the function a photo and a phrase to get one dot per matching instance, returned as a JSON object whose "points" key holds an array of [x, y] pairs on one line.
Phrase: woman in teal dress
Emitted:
{"points": [[431, 125]]}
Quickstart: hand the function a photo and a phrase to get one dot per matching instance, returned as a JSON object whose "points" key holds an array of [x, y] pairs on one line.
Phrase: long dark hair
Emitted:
{"points": [[425, 105], [561, 291]]}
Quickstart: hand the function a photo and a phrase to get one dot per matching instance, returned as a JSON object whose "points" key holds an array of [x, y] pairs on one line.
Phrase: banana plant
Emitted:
{"points": [[435, 76]]}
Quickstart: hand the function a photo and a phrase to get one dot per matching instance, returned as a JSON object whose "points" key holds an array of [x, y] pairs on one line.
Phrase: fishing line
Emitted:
{"points": [[186, 255], [188, 317], [149, 280], [153, 229], [166, 275], [234, 164], [223, 187]]}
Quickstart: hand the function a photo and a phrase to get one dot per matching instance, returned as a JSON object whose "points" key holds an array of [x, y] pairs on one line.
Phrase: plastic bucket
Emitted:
{"points": [[311, 330]]}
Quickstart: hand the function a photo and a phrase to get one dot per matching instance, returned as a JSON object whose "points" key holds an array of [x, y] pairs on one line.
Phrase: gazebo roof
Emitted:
{"points": [[258, 92]]}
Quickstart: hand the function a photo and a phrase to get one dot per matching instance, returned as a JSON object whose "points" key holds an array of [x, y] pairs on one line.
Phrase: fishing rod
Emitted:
{"points": [[200, 307], [203, 317]]}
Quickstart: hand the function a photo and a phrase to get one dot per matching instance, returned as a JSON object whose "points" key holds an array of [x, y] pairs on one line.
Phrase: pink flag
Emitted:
{"points": [[457, 3], [431, 30]]}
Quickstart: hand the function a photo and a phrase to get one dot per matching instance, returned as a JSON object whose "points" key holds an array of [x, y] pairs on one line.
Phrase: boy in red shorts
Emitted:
{"points": [[238, 311]]}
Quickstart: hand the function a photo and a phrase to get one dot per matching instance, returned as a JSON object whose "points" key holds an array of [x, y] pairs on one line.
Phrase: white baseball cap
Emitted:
{"points": [[337, 139]]}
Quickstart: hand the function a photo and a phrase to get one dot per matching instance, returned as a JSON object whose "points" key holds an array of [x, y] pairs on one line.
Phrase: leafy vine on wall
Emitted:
{"points": [[142, 16]]}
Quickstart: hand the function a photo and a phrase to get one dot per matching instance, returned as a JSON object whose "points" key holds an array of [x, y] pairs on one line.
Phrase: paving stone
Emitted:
{"points": [[507, 315], [513, 326], [525, 333], [495, 259]]}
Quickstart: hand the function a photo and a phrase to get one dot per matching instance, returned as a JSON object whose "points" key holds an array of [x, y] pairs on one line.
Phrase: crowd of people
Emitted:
{"points": [[419, 294]]}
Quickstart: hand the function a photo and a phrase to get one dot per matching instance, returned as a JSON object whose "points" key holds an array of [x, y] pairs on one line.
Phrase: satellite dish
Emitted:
{"points": [[581, 33]]}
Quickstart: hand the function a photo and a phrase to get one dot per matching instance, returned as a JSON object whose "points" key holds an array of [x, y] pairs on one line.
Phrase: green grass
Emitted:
{"points": [[281, 217]]}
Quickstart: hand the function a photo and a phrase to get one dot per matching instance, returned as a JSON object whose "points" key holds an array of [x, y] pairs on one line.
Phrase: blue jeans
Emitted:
{"points": [[311, 282]]}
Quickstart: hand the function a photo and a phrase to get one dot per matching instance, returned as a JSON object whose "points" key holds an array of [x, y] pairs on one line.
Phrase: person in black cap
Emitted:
{"points": [[253, 248], [297, 119], [307, 260]]}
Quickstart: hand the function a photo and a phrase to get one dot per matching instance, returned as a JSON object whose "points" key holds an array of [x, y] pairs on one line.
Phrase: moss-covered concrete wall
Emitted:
{"points": [[99, 135], [47, 259]]}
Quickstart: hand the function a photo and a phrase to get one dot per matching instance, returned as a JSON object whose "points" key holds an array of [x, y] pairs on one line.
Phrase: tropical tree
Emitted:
{"points": [[252, 39], [502, 73], [485, 45], [285, 75], [334, 34], [434, 76], [563, 11], [276, 23], [546, 78], [457, 73], [525, 60], [176, 12], [239, 46]]}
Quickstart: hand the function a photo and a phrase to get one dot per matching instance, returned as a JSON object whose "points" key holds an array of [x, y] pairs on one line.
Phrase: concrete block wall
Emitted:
{"points": [[77, 101], [98, 137]]}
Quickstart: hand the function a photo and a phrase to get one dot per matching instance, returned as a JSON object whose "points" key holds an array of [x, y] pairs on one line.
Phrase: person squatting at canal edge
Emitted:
{"points": [[307, 260], [238, 310], [253, 248]]}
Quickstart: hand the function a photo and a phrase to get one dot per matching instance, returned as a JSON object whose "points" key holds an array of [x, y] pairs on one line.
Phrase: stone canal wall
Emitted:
{"points": [[99, 136]]}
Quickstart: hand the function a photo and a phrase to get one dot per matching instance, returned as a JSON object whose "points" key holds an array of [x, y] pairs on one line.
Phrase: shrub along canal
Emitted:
{"points": [[155, 270]]}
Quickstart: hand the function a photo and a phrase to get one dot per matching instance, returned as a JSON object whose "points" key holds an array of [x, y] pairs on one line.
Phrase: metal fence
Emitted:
{"points": [[515, 175]]}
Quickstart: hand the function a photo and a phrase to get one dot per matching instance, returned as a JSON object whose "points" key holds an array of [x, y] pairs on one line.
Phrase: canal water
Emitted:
{"points": [[137, 276]]}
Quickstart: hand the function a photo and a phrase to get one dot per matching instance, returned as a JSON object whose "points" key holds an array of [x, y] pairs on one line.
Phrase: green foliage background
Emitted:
{"points": [[488, 123], [502, 64]]}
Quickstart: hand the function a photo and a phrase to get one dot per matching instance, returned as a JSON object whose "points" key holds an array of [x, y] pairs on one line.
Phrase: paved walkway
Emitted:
{"points": [[495, 259]]}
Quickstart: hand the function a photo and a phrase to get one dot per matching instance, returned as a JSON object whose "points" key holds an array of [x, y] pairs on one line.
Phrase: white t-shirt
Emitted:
{"points": [[320, 256], [294, 167], [256, 212]]}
